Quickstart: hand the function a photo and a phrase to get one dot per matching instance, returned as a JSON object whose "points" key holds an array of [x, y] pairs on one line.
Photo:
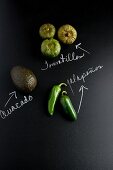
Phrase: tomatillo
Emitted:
{"points": [[67, 34], [47, 31], [51, 48]]}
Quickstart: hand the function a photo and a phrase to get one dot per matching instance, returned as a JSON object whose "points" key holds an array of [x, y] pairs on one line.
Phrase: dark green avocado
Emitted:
{"points": [[23, 78]]}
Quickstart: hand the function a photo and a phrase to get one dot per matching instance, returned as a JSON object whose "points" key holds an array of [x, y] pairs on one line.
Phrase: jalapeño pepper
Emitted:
{"points": [[55, 91], [67, 106]]}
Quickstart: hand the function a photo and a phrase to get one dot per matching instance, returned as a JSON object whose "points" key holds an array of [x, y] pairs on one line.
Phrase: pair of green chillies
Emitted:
{"points": [[64, 101]]}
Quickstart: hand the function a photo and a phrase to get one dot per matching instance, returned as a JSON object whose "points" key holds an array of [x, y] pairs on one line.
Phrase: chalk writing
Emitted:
{"points": [[75, 78], [17, 105], [70, 57], [78, 46], [82, 88], [11, 95]]}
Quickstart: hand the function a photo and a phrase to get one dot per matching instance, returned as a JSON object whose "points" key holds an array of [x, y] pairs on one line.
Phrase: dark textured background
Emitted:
{"points": [[29, 139]]}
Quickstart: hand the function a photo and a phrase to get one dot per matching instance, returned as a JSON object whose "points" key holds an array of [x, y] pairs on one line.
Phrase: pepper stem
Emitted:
{"points": [[64, 92], [62, 84]]}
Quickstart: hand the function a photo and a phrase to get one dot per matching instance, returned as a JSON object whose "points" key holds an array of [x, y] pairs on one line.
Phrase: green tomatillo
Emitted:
{"points": [[47, 31], [50, 48]]}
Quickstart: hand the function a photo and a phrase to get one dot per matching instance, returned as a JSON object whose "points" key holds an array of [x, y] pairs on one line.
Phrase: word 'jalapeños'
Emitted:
{"points": [[18, 105], [75, 78]]}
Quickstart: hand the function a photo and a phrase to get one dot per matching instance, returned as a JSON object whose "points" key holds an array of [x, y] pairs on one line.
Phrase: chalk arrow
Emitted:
{"points": [[82, 88], [11, 95], [78, 46]]}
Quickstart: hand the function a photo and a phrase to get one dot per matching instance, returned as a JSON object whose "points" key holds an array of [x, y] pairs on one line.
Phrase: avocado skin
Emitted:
{"points": [[23, 78]]}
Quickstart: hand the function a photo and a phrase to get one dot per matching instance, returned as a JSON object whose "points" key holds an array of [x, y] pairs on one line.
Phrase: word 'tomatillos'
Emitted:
{"points": [[65, 58]]}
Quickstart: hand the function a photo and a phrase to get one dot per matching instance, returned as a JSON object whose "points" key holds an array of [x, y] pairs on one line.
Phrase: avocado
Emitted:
{"points": [[23, 78]]}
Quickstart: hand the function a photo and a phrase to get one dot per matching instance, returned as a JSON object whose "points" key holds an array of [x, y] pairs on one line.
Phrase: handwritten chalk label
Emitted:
{"points": [[70, 57], [75, 78], [17, 105]]}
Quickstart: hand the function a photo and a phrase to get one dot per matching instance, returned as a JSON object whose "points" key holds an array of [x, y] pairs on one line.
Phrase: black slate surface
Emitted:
{"points": [[29, 139]]}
